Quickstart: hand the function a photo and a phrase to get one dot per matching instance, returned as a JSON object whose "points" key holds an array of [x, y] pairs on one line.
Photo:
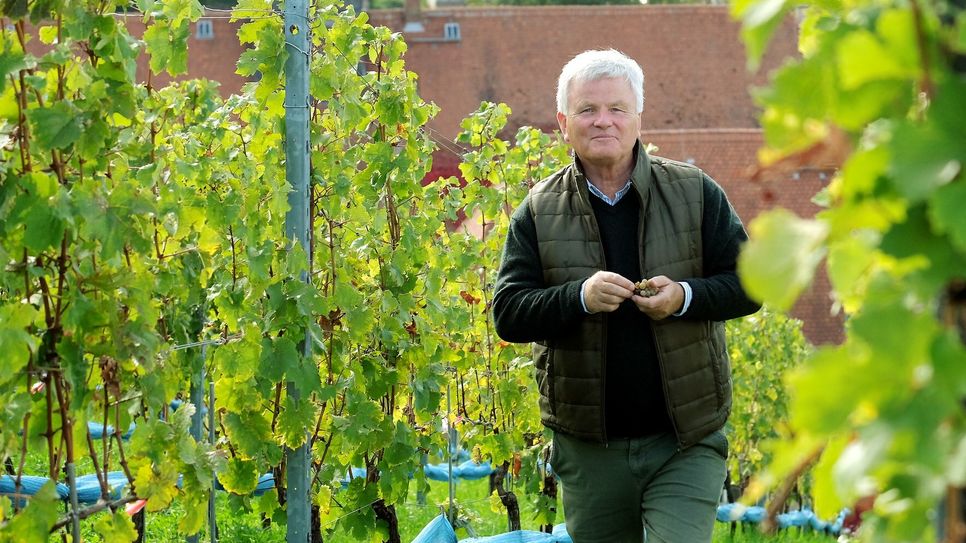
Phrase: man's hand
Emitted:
{"points": [[668, 300], [604, 291]]}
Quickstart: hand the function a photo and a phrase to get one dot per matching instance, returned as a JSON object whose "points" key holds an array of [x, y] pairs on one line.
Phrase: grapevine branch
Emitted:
{"points": [[96, 508], [778, 502]]}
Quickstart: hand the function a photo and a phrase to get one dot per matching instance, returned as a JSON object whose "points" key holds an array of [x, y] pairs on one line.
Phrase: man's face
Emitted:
{"points": [[603, 124]]}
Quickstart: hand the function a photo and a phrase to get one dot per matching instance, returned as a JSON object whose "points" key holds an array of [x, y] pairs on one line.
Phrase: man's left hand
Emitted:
{"points": [[668, 300]]}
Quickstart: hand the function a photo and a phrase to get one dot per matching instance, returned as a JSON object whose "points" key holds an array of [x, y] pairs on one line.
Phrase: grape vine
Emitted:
{"points": [[880, 87]]}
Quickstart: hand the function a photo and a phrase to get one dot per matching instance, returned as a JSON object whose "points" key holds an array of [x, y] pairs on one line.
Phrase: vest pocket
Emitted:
{"points": [[552, 383], [721, 364], [543, 362]]}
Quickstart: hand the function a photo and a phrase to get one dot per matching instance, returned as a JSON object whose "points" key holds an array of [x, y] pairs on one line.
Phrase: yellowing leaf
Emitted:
{"points": [[157, 484], [240, 477]]}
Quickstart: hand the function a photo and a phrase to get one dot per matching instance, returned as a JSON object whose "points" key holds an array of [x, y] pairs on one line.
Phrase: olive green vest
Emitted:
{"points": [[693, 358]]}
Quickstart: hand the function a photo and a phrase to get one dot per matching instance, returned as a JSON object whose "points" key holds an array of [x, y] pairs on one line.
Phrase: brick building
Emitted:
{"points": [[697, 105]]}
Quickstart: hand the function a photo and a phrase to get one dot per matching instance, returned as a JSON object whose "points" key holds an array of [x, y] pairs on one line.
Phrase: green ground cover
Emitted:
{"points": [[240, 526]]}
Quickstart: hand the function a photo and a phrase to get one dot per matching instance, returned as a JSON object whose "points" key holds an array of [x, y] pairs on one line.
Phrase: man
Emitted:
{"points": [[635, 388]]}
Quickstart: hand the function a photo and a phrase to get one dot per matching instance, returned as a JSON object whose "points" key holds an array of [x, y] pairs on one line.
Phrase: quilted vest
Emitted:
{"points": [[570, 371]]}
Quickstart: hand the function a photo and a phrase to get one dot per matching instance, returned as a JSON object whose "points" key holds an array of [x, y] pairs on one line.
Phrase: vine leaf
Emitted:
{"points": [[116, 528], [157, 484], [779, 260], [16, 343], [55, 127], [10, 61], [35, 521], [294, 421], [240, 477]]}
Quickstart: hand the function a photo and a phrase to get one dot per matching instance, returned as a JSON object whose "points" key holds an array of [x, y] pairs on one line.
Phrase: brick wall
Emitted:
{"points": [[694, 63]]}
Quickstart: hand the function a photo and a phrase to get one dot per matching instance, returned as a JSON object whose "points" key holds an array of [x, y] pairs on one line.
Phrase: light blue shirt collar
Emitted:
{"points": [[617, 197]]}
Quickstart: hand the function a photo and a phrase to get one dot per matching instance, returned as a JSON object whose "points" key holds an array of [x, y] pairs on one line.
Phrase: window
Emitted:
{"points": [[205, 30], [451, 31]]}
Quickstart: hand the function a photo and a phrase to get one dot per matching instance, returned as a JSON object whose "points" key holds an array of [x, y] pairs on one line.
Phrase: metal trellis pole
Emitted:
{"points": [[196, 395], [297, 231], [450, 445], [212, 521]]}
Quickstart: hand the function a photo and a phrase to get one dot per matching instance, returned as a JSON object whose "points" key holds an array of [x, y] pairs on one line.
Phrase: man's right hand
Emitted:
{"points": [[605, 291]]}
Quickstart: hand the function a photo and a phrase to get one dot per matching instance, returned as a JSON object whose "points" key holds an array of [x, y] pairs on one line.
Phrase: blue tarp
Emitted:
{"points": [[98, 430], [736, 512], [437, 531], [467, 470], [440, 531], [89, 488], [559, 535], [29, 486]]}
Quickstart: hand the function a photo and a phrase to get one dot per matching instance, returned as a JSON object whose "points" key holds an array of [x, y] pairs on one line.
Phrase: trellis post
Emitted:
{"points": [[296, 28]]}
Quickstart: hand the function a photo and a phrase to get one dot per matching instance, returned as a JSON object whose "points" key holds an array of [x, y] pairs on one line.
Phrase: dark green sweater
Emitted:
{"points": [[526, 310]]}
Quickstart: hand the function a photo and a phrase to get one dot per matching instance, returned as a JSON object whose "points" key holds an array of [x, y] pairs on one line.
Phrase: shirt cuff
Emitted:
{"points": [[582, 303], [684, 306]]}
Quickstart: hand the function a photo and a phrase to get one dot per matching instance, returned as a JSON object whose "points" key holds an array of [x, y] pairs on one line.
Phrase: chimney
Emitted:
{"points": [[413, 17]]}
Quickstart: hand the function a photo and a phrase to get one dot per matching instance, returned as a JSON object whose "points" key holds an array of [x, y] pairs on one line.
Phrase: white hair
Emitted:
{"points": [[593, 65]]}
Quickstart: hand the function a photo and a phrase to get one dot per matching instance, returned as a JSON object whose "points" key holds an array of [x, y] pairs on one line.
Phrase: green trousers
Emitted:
{"points": [[644, 489]]}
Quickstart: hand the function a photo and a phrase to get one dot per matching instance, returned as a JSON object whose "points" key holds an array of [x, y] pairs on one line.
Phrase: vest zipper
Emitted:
{"points": [[667, 397], [657, 349], [603, 333]]}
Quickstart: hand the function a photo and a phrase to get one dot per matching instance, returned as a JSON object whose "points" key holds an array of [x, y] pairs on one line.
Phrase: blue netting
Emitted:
{"points": [[29, 486], [467, 470], [735, 512], [98, 430], [89, 488], [265, 483]]}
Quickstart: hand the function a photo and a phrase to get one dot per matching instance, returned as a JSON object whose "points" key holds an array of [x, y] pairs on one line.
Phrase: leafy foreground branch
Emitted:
{"points": [[880, 94]]}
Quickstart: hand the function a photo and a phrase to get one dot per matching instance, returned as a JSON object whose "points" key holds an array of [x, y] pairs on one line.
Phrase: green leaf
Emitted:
{"points": [[898, 338], [863, 58], [251, 433], [16, 343], [239, 360], [278, 355], [14, 9], [295, 421], [116, 528], [10, 62], [35, 521], [826, 392], [925, 158], [240, 476], [946, 207], [934, 256], [849, 261], [779, 260], [43, 229], [760, 19], [195, 513], [167, 47], [55, 127]]}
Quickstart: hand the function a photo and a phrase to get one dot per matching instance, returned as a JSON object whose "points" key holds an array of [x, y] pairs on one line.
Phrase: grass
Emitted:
{"points": [[238, 526]]}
